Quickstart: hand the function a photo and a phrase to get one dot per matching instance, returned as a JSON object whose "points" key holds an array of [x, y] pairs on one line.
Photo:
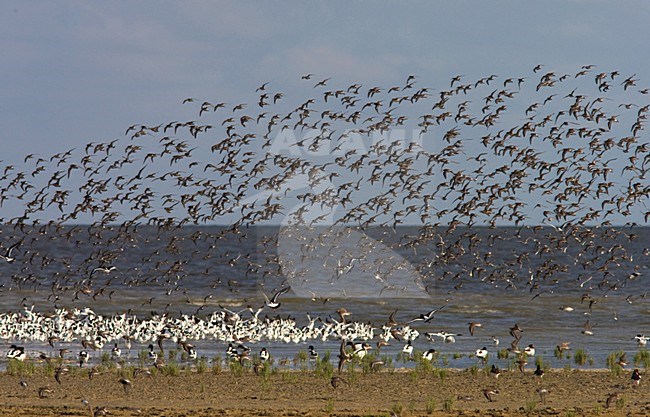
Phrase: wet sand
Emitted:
{"points": [[303, 393]]}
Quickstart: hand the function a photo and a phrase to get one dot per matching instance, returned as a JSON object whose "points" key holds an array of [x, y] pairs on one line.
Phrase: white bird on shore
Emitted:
{"points": [[17, 352], [152, 354], [408, 349], [428, 355], [116, 352], [482, 354], [83, 358]]}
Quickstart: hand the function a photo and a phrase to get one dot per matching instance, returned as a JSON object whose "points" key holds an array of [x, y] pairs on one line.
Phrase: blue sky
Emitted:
{"points": [[72, 72]]}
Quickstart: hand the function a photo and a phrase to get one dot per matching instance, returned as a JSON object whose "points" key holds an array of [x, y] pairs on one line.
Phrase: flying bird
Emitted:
{"points": [[273, 302]]}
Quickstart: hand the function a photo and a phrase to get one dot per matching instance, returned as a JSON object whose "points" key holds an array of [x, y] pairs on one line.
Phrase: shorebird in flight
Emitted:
{"points": [[104, 269], [489, 393], [273, 302], [343, 355], [426, 317], [641, 340], [7, 256], [588, 329], [126, 384], [447, 337], [472, 327]]}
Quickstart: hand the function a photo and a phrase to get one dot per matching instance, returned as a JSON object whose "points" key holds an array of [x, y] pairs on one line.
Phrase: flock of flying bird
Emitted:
{"points": [[562, 170], [564, 166]]}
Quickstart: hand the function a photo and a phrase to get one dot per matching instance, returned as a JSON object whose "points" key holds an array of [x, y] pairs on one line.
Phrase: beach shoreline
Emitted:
{"points": [[307, 393]]}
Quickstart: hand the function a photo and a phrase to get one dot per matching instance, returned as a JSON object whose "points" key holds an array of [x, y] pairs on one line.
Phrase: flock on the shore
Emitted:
{"points": [[96, 333]]}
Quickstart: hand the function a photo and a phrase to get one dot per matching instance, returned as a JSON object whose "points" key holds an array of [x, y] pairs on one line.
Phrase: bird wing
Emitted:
{"points": [[277, 294]]}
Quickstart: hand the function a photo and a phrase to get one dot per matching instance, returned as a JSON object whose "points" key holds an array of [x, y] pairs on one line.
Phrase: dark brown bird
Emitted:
{"points": [[126, 384], [521, 363], [337, 381], [542, 392], [473, 326], [44, 392], [516, 332], [93, 372], [489, 393], [100, 411], [58, 372], [343, 356], [636, 378], [611, 398]]}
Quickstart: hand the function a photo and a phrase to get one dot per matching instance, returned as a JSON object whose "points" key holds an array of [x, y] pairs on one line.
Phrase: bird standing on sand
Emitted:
{"points": [[44, 392], [542, 394], [258, 367], [84, 357], [610, 399], [100, 411], [337, 381], [636, 378], [93, 372]]}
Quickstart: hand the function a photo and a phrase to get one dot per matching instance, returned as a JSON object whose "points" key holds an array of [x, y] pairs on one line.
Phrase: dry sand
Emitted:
{"points": [[302, 393]]}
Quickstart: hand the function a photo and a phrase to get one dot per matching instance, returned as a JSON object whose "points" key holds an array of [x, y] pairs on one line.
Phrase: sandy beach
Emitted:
{"points": [[306, 393]]}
